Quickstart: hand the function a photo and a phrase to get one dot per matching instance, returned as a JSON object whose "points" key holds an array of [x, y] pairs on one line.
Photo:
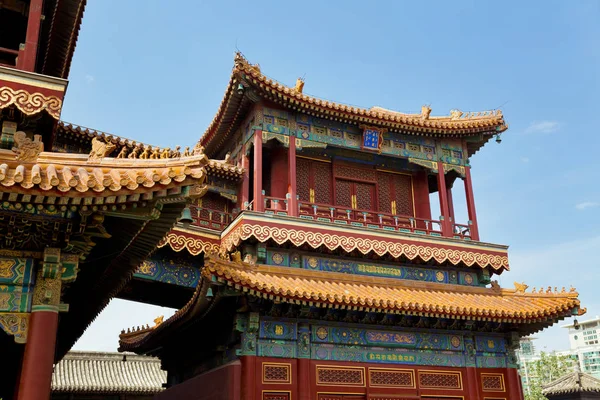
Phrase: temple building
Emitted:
{"points": [[325, 273], [79, 211], [296, 238]]}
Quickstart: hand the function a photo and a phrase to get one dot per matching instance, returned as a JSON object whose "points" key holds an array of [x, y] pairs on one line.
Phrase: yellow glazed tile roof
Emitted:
{"points": [[395, 296], [76, 174], [458, 123]]}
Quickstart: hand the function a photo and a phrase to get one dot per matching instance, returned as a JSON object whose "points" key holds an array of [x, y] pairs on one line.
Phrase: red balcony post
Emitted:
{"points": [[450, 206], [293, 200], [31, 39], [444, 210], [474, 229], [259, 204], [245, 188]]}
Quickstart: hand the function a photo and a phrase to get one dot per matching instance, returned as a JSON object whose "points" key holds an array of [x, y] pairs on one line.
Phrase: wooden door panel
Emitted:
{"points": [[365, 194], [343, 193]]}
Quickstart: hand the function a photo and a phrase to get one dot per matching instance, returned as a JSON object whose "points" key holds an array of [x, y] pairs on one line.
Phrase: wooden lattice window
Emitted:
{"points": [[397, 378], [492, 382], [345, 376], [440, 380], [313, 181], [395, 193], [277, 373]]}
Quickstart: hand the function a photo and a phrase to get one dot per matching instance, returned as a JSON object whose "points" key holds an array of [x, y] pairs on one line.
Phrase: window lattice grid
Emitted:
{"points": [[340, 376], [445, 380], [391, 378], [276, 373], [492, 383]]}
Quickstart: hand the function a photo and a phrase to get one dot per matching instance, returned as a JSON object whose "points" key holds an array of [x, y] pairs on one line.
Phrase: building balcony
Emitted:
{"points": [[365, 218], [379, 234]]}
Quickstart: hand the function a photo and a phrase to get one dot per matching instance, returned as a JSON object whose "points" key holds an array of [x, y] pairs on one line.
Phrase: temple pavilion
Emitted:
{"points": [[296, 239]]}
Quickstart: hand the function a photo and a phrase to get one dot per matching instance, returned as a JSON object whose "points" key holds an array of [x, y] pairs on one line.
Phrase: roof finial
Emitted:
{"points": [[425, 112], [299, 85]]}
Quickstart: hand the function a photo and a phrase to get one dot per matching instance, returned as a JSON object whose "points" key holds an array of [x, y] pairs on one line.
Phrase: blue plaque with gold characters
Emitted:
{"points": [[372, 138]]}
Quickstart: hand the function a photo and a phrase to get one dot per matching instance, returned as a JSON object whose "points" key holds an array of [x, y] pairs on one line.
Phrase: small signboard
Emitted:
{"points": [[372, 138]]}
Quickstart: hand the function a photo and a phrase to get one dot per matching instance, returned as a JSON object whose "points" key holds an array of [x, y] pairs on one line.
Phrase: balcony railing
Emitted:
{"points": [[8, 54], [219, 220], [209, 218], [369, 219], [275, 205]]}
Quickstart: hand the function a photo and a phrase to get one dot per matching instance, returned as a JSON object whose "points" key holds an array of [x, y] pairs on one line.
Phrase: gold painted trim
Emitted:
{"points": [[253, 216], [493, 375], [274, 364], [313, 158], [342, 393], [410, 371], [193, 245], [271, 391], [393, 172], [30, 103], [343, 368], [333, 240], [440, 372]]}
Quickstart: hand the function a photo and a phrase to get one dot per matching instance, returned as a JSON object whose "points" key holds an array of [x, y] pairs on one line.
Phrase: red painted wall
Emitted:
{"points": [[221, 383], [279, 172], [286, 379], [421, 192]]}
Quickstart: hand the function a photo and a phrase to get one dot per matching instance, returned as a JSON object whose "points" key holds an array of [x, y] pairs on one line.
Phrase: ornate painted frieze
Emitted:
{"points": [[347, 342], [278, 124], [300, 233], [15, 324], [281, 257], [277, 330], [386, 338], [193, 242], [168, 271], [385, 356], [16, 280]]}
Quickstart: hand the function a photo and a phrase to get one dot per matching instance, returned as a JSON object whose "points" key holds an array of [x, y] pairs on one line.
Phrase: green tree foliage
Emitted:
{"points": [[545, 370]]}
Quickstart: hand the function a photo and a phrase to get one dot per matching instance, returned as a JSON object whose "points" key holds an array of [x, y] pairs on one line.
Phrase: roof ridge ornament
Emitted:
{"points": [[27, 149], [100, 150], [425, 111], [520, 287], [299, 85]]}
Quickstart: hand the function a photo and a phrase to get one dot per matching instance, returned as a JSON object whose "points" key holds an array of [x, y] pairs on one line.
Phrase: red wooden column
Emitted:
{"points": [[245, 188], [248, 377], [450, 204], [421, 198], [304, 379], [472, 383], [444, 210], [36, 372], [471, 204], [293, 200], [27, 58], [259, 204], [513, 384]]}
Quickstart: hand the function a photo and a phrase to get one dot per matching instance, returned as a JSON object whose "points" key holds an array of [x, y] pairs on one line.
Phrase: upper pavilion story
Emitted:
{"points": [[330, 169]]}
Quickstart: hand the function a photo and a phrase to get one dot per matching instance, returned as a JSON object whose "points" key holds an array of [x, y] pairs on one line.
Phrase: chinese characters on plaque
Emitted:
{"points": [[372, 138]]}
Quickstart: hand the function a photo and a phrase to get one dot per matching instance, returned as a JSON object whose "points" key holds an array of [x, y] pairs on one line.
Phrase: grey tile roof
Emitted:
{"points": [[574, 382], [98, 372]]}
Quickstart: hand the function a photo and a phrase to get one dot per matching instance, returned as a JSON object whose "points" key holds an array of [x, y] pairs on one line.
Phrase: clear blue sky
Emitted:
{"points": [[156, 71]]}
